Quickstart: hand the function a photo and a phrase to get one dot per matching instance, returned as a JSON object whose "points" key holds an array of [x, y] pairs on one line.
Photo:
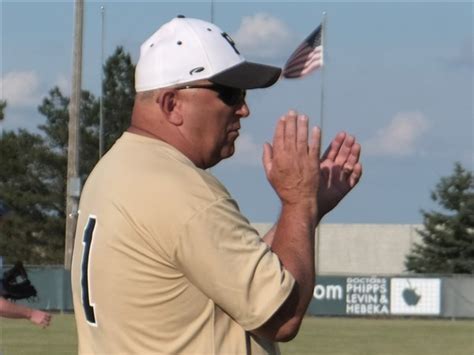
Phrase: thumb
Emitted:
{"points": [[267, 158]]}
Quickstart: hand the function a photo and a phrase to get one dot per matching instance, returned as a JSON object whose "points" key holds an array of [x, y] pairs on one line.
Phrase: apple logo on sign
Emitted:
{"points": [[411, 297]]}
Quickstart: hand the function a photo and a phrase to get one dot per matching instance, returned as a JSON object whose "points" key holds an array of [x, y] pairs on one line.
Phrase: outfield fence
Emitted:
{"points": [[334, 295]]}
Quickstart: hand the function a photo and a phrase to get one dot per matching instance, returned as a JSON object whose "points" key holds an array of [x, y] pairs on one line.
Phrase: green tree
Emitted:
{"points": [[3, 105], [32, 231], [33, 173], [119, 95], [448, 238], [55, 129]]}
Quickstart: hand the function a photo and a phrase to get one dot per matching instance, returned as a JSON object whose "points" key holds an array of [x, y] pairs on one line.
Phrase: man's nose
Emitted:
{"points": [[243, 109]]}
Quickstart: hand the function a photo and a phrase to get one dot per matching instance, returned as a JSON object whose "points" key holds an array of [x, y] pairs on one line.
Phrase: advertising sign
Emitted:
{"points": [[415, 296], [351, 296], [372, 296], [367, 296], [329, 296]]}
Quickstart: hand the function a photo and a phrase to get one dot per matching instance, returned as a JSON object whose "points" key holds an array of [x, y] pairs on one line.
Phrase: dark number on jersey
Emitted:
{"points": [[87, 241]]}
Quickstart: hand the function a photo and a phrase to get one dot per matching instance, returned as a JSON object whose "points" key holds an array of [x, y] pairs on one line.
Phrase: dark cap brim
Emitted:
{"points": [[247, 75]]}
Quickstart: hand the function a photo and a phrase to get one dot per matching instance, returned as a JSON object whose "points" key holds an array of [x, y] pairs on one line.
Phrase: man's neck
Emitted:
{"points": [[143, 132]]}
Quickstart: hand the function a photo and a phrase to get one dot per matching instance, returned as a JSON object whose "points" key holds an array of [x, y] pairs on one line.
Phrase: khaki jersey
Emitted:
{"points": [[164, 262]]}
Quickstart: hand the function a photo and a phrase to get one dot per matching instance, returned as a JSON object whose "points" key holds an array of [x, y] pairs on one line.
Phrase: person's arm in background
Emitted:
{"points": [[340, 171], [12, 310]]}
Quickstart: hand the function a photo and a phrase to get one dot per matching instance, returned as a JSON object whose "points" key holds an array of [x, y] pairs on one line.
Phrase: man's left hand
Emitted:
{"points": [[340, 171]]}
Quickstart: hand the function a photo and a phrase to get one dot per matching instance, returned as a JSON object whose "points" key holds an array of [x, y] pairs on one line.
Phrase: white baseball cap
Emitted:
{"points": [[185, 50]]}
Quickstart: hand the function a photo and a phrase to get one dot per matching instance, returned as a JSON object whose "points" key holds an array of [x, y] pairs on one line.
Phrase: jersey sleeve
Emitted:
{"points": [[223, 255]]}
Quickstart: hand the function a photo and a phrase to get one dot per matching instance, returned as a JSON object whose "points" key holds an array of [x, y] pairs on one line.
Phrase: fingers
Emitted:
{"points": [[291, 133], [292, 163], [344, 150], [333, 148], [353, 158], [45, 321], [296, 133], [40, 318], [302, 134], [355, 175], [290, 130], [267, 158], [315, 144], [279, 136], [341, 150]]}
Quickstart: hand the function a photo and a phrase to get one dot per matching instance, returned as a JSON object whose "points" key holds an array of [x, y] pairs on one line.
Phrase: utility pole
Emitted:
{"points": [[73, 181], [101, 112]]}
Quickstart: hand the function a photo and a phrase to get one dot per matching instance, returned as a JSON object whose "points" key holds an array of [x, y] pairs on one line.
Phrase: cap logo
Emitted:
{"points": [[230, 41], [196, 70]]}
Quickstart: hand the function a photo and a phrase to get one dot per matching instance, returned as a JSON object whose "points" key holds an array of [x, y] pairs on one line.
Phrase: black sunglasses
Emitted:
{"points": [[230, 96]]}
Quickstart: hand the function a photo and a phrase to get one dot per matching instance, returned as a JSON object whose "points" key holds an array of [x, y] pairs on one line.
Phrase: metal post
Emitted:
{"points": [[73, 181], [317, 245], [323, 45], [101, 114]]}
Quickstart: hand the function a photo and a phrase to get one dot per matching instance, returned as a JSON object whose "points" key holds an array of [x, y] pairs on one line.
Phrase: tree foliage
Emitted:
{"points": [[119, 94], [448, 238], [3, 105], [33, 166], [33, 232]]}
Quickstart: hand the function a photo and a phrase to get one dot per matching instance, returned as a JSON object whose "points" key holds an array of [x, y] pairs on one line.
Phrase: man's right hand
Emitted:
{"points": [[40, 318], [291, 164]]}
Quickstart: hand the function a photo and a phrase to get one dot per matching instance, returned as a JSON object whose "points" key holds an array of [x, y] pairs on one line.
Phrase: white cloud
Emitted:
{"points": [[247, 152], [21, 89], [400, 137], [262, 36]]}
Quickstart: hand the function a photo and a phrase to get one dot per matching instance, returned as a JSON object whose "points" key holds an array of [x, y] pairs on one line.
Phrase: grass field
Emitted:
{"points": [[327, 336]]}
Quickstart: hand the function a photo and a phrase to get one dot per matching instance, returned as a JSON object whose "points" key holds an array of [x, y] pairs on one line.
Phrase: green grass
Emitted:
{"points": [[356, 336], [23, 337], [326, 336]]}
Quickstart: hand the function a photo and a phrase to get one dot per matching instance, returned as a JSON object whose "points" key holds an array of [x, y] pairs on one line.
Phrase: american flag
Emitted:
{"points": [[307, 57]]}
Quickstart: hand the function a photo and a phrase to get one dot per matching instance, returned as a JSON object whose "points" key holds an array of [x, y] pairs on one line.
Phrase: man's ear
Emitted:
{"points": [[168, 102]]}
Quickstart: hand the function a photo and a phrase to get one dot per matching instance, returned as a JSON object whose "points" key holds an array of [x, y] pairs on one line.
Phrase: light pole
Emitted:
{"points": [[73, 186]]}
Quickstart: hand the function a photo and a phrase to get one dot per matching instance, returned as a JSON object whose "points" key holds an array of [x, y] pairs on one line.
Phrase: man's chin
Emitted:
{"points": [[228, 152], [225, 153]]}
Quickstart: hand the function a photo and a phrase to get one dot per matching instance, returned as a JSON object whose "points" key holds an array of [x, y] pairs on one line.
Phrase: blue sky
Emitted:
{"points": [[398, 75]]}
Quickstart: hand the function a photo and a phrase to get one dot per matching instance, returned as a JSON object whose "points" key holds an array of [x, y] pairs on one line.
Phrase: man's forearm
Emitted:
{"points": [[12, 310], [292, 239], [269, 236], [293, 242]]}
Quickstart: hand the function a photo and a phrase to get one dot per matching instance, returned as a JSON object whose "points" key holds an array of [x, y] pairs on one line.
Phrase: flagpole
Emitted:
{"points": [[101, 111], [317, 244], [323, 45]]}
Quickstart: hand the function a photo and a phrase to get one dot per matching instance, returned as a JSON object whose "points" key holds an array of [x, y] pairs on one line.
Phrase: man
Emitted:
{"points": [[164, 262], [16, 311]]}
